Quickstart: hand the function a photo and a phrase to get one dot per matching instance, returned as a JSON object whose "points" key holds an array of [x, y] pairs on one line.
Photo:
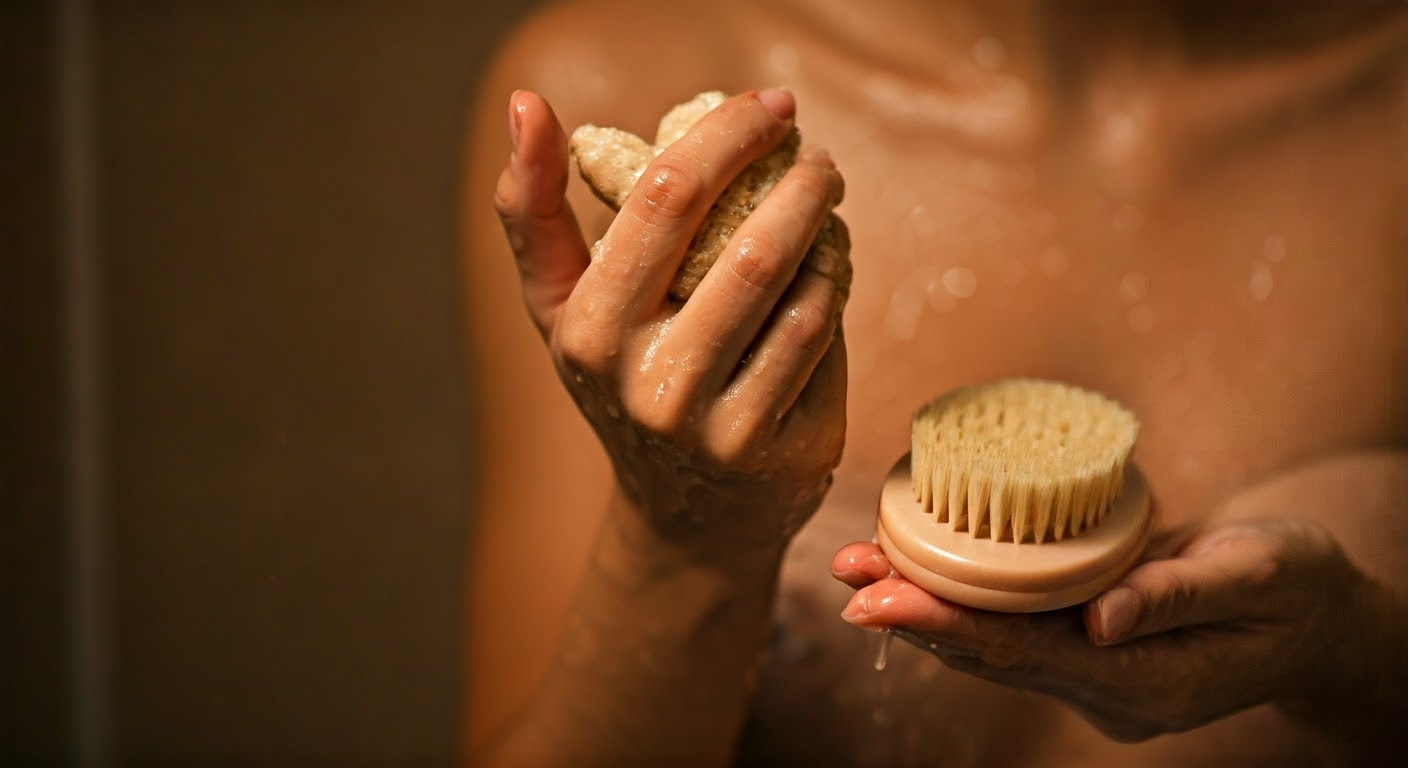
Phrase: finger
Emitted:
{"points": [[1207, 583], [789, 350], [818, 416], [823, 399], [897, 603], [861, 564], [539, 223], [641, 252], [738, 295], [1030, 650]]}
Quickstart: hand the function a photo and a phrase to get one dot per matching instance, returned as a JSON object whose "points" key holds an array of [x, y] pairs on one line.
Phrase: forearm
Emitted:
{"points": [[1357, 707], [656, 659], [1353, 698]]}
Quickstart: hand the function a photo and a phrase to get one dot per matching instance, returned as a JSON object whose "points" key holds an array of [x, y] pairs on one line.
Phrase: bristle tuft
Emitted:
{"points": [[1021, 459]]}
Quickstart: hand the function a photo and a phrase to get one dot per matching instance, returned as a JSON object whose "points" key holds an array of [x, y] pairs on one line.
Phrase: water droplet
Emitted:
{"points": [[660, 392], [906, 305], [1134, 286], [940, 300], [579, 378], [919, 230], [1054, 261], [648, 357], [1127, 219], [989, 53], [1273, 249], [960, 282], [1261, 282], [782, 59], [613, 411], [882, 656], [1141, 318]]}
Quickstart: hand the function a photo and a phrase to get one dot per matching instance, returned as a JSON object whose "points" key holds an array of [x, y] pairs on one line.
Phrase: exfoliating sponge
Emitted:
{"points": [[612, 161]]}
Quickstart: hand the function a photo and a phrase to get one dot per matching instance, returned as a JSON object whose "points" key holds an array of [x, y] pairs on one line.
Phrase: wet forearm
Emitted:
{"points": [[656, 659]]}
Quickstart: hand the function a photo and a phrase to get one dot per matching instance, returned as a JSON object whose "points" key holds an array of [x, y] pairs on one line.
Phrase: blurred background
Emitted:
{"points": [[232, 395]]}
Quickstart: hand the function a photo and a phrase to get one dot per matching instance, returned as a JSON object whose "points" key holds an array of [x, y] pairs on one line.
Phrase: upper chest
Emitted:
{"points": [[1245, 295]]}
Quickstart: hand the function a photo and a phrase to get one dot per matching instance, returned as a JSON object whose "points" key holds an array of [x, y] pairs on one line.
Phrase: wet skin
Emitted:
{"points": [[1216, 239]]}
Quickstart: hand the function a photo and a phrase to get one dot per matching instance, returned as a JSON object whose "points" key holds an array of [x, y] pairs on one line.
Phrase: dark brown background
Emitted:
{"points": [[271, 480]]}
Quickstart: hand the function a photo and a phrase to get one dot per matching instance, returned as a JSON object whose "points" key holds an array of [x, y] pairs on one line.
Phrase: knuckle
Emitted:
{"points": [[732, 451], [733, 439], [585, 347], [659, 420], [1166, 598], [669, 191], [1261, 572], [658, 407], [815, 183], [754, 262], [504, 192], [751, 124], [806, 325], [1310, 541]]}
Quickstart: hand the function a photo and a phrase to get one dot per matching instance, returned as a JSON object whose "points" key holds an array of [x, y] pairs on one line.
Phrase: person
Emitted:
{"points": [[1196, 209]]}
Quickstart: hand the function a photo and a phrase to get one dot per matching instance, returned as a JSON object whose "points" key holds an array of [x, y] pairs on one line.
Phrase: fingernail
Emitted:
{"points": [[1118, 611], [515, 119], [847, 574], [858, 610], [779, 102]]}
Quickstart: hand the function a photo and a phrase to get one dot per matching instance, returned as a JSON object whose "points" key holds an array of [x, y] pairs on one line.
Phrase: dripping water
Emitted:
{"points": [[882, 653]]}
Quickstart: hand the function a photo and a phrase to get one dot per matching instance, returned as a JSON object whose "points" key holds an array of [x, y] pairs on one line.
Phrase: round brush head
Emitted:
{"points": [[1017, 496]]}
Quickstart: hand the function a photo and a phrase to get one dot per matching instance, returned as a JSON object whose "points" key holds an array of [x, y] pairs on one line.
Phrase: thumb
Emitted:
{"points": [[1214, 579], [533, 208]]}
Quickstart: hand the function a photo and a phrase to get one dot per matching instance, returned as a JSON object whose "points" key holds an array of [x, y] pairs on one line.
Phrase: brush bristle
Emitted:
{"points": [[1020, 459]]}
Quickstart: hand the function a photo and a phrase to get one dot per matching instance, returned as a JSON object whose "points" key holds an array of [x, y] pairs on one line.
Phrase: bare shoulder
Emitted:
{"points": [[619, 62]]}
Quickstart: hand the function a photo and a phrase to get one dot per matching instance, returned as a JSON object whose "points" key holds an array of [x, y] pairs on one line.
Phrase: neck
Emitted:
{"points": [[1065, 41], [968, 41], [1020, 66]]}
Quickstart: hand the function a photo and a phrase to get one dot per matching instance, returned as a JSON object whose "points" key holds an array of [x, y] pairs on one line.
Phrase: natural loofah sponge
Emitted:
{"points": [[612, 160]]}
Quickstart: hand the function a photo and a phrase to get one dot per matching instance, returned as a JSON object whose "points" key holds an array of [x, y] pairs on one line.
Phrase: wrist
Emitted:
{"points": [[665, 542]]}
